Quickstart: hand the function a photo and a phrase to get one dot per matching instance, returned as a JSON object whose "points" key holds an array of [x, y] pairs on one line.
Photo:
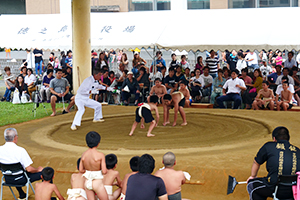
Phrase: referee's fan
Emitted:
{"points": [[282, 158]]}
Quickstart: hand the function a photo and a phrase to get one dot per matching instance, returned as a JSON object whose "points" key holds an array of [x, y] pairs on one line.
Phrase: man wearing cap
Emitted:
{"points": [[265, 69], [130, 86], [234, 86], [282, 158], [251, 59], [82, 99]]}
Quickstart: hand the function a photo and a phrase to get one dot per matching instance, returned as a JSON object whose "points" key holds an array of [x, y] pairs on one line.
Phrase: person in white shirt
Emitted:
{"points": [[285, 73], [30, 80], [252, 60], [11, 153], [290, 62], [298, 59], [265, 69], [234, 86], [82, 99], [241, 63], [208, 81]]}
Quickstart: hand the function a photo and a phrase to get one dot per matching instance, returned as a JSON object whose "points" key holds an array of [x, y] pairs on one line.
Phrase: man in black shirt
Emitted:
{"points": [[143, 185], [170, 81], [282, 158]]}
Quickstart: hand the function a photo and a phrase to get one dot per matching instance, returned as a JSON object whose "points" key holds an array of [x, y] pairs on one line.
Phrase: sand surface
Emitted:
{"points": [[215, 143]]}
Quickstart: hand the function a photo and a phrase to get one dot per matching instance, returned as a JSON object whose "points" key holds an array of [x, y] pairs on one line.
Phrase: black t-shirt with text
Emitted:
{"points": [[170, 80]]}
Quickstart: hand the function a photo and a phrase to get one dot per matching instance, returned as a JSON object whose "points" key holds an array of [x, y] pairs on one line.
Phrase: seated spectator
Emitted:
{"points": [[193, 74], [9, 80], [69, 77], [45, 89], [247, 79], [101, 61], [218, 84], [59, 88], [120, 75], [159, 62], [248, 96], [208, 80], [285, 101], [22, 87], [265, 69], [279, 89], [183, 63], [23, 72], [173, 179], [30, 80], [186, 93], [124, 60], [77, 185], [170, 81], [137, 60], [234, 86], [105, 82], [295, 77], [49, 66], [163, 73], [134, 168], [45, 189], [154, 75], [199, 64], [56, 63], [179, 75], [187, 74], [11, 153], [265, 98], [143, 185], [143, 78], [174, 62], [273, 77], [212, 61], [158, 89], [226, 73], [196, 86], [252, 60], [241, 63], [285, 72], [133, 87], [112, 177], [113, 84], [290, 62]]}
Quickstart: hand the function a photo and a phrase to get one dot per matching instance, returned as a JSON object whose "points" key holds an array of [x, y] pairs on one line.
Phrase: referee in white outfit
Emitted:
{"points": [[82, 99]]}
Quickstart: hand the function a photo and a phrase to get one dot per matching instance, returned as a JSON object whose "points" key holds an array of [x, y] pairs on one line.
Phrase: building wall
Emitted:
{"points": [[123, 4], [218, 4], [42, 7]]}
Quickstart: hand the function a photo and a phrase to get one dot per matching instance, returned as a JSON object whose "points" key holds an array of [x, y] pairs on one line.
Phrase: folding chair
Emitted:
{"points": [[15, 170], [287, 181]]}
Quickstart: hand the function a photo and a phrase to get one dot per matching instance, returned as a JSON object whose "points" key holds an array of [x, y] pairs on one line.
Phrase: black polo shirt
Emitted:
{"points": [[170, 80], [282, 158]]}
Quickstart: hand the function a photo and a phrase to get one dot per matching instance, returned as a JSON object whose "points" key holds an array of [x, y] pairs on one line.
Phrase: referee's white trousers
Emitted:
{"points": [[82, 102]]}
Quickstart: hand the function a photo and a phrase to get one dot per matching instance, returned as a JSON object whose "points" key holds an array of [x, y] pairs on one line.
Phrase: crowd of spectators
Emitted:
{"points": [[132, 84]]}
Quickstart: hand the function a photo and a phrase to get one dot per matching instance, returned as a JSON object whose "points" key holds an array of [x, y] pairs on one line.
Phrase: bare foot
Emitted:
{"points": [[130, 134], [174, 124], [184, 123], [165, 123], [142, 126], [53, 114], [150, 135]]}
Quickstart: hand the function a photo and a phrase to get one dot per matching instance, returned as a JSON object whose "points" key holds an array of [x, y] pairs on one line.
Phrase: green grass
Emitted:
{"points": [[17, 113]]}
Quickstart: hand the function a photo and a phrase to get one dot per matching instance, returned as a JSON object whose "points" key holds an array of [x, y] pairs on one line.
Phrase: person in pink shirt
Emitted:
{"points": [[278, 59], [247, 79]]}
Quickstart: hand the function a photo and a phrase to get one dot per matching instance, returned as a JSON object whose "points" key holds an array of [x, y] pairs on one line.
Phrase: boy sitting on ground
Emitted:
{"points": [[176, 101], [110, 177], [183, 89], [44, 190], [265, 98], [286, 98], [134, 168], [173, 179], [77, 183], [93, 165], [143, 113], [158, 89]]}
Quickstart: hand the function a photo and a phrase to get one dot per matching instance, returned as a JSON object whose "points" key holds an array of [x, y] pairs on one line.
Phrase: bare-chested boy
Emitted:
{"points": [[177, 101], [265, 98], [186, 93], [173, 179], [93, 166], [110, 177], [134, 168], [286, 98], [77, 184], [44, 190], [143, 113], [158, 89]]}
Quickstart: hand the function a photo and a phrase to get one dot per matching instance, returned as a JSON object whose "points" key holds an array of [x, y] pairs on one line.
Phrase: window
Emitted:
{"points": [[261, 3], [198, 4], [274, 3], [12, 7], [241, 3], [147, 5]]}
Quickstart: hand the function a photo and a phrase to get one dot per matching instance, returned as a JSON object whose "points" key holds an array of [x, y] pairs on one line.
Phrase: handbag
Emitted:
{"points": [[16, 98], [24, 98], [253, 90]]}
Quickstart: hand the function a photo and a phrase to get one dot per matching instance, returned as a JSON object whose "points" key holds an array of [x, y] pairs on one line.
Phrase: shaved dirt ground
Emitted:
{"points": [[215, 143]]}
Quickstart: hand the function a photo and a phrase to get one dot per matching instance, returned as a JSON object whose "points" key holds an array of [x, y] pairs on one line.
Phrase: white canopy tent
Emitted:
{"points": [[263, 28]]}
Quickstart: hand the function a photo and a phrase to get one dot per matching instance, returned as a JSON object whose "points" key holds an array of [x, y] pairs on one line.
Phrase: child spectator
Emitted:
{"points": [[158, 89], [248, 96], [186, 93], [179, 75], [196, 86], [93, 165], [30, 80], [9, 80], [44, 190], [187, 74], [265, 98], [173, 179], [208, 80], [134, 168], [143, 113], [110, 177], [286, 98], [77, 183], [184, 64], [177, 101], [170, 81], [45, 89]]}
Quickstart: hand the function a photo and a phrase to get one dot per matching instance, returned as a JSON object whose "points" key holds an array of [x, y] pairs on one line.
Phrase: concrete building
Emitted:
{"points": [[63, 6]]}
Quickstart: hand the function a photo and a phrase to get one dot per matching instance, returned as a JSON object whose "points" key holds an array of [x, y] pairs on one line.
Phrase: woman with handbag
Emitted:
{"points": [[22, 87], [196, 83]]}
